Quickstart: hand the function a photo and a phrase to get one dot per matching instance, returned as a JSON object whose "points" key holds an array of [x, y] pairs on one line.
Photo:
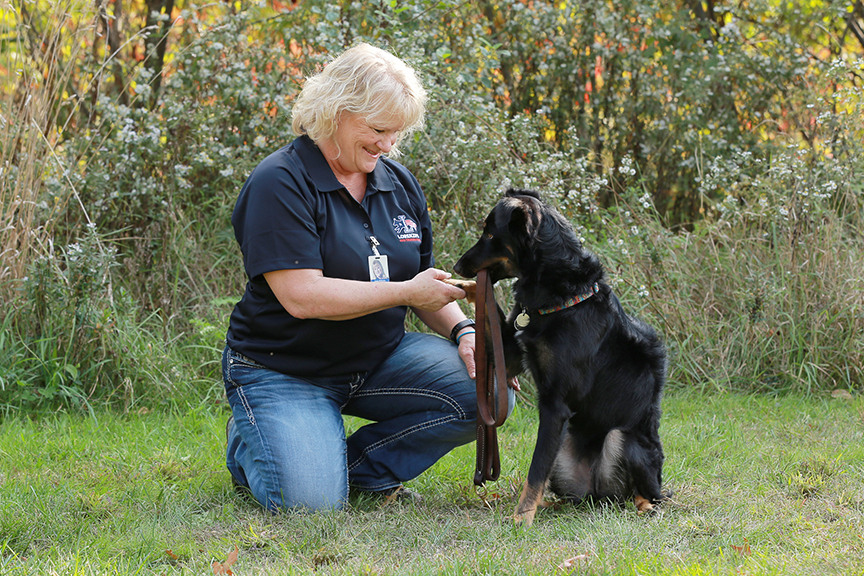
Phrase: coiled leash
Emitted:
{"points": [[491, 381]]}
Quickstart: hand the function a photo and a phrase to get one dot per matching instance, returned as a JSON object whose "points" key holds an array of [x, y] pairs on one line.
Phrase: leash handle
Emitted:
{"points": [[491, 381], [488, 461]]}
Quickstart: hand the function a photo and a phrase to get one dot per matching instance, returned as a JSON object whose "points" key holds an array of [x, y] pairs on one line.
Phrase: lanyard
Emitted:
{"points": [[374, 242]]}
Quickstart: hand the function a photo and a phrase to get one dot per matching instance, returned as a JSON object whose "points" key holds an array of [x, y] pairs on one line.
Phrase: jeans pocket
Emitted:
{"points": [[238, 369]]}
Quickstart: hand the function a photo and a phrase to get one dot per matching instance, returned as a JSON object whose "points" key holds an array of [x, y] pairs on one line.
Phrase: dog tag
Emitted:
{"points": [[522, 320]]}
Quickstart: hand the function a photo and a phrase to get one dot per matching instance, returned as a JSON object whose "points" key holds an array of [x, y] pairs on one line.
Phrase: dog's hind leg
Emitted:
{"points": [[644, 461], [553, 415], [643, 504]]}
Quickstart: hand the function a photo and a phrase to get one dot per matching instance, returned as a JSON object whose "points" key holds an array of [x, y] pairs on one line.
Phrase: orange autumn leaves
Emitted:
{"points": [[224, 568]]}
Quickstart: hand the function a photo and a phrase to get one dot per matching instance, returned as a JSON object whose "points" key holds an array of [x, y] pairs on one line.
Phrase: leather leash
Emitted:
{"points": [[491, 381]]}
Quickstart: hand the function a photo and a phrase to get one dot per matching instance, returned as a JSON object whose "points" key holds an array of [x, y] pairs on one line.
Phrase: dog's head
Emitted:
{"points": [[513, 227]]}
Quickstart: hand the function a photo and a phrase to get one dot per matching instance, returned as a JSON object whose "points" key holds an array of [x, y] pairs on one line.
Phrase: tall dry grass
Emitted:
{"points": [[37, 103], [765, 297]]}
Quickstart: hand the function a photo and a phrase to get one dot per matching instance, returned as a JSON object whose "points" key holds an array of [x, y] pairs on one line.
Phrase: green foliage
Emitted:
{"points": [[64, 312], [162, 178], [710, 154], [765, 294], [664, 86], [74, 339]]}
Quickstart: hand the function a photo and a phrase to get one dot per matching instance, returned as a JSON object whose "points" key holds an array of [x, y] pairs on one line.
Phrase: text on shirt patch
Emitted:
{"points": [[406, 229]]}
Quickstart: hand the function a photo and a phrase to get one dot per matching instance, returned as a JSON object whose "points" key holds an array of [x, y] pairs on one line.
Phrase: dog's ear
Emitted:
{"points": [[513, 216], [525, 217], [513, 192]]}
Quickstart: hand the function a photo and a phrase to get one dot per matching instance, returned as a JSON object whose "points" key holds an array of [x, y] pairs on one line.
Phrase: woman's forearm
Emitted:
{"points": [[307, 293]]}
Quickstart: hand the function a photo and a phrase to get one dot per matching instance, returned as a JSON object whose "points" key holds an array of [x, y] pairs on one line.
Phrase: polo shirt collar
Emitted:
{"points": [[321, 173]]}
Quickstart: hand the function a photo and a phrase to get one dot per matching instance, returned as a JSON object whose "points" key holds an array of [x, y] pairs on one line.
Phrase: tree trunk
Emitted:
{"points": [[155, 43]]}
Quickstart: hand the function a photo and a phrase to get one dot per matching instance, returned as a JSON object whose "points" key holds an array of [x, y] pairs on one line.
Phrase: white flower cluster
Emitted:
{"points": [[626, 168]]}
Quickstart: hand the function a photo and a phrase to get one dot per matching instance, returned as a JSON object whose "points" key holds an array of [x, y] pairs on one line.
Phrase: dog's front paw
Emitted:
{"points": [[524, 517], [531, 498], [469, 286]]}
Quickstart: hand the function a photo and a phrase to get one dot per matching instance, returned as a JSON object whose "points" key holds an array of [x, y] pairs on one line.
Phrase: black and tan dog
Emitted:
{"points": [[599, 372]]}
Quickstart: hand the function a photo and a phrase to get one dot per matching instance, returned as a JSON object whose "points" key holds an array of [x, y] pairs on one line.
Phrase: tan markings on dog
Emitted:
{"points": [[533, 214], [508, 264], [608, 480], [469, 286], [531, 498], [491, 262], [546, 503], [513, 203], [544, 355], [536, 220], [572, 475], [643, 504]]}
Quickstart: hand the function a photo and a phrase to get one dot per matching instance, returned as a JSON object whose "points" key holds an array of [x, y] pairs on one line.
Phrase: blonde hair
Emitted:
{"points": [[366, 81]]}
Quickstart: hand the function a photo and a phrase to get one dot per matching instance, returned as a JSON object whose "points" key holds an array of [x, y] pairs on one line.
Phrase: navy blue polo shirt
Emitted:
{"points": [[293, 213]]}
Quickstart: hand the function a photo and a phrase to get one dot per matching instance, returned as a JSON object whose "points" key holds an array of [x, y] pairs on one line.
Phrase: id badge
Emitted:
{"points": [[379, 271]]}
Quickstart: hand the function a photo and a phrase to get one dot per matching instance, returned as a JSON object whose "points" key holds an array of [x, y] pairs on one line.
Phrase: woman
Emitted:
{"points": [[337, 245]]}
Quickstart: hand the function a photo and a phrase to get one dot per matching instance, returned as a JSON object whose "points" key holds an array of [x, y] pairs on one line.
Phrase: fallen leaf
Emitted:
{"points": [[571, 563], [171, 554], [390, 498], [743, 550], [841, 394], [220, 569]]}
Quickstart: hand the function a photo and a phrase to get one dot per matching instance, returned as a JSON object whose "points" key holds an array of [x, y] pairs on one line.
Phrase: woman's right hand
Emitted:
{"points": [[429, 293]]}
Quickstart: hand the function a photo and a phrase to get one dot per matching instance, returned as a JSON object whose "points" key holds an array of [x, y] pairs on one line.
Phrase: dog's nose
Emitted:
{"points": [[458, 268], [463, 269]]}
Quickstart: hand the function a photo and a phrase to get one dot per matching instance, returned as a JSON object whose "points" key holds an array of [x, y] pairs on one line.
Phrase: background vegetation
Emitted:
{"points": [[710, 153]]}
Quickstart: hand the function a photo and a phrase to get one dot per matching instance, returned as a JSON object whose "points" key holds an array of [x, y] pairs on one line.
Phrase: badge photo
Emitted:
{"points": [[379, 271]]}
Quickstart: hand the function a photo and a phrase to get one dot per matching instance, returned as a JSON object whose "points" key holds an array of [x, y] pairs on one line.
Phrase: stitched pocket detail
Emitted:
{"points": [[237, 364]]}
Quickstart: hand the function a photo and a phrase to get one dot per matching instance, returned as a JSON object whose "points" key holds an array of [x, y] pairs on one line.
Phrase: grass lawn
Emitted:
{"points": [[763, 485]]}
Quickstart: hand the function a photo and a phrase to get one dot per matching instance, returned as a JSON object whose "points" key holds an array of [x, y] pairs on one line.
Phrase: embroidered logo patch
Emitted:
{"points": [[406, 229]]}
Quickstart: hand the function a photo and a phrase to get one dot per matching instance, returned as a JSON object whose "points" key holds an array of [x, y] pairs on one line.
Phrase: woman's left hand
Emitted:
{"points": [[467, 349]]}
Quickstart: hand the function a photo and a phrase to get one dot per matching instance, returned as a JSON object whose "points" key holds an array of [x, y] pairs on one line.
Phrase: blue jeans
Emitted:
{"points": [[288, 444]]}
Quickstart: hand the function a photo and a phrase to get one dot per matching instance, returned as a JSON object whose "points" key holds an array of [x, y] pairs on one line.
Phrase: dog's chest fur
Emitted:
{"points": [[563, 342]]}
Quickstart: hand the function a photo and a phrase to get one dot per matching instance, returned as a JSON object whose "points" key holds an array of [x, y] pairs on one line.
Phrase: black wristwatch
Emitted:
{"points": [[459, 326]]}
